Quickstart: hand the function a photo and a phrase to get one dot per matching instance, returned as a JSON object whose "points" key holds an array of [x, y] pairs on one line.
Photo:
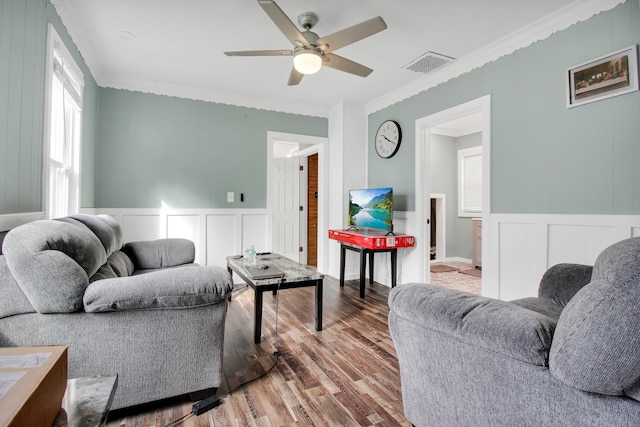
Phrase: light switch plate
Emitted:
{"points": [[230, 197]]}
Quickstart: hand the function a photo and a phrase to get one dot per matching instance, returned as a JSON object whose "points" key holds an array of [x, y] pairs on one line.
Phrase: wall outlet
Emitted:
{"points": [[231, 197]]}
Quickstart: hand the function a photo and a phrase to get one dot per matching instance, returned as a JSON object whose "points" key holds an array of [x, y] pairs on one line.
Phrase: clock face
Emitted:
{"points": [[388, 139]]}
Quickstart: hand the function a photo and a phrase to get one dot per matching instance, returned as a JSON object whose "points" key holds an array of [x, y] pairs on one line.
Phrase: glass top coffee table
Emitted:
{"points": [[295, 276]]}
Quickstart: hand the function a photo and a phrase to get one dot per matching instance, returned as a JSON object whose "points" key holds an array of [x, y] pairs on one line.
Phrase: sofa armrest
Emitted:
{"points": [[181, 287], [562, 281], [160, 253], [493, 325]]}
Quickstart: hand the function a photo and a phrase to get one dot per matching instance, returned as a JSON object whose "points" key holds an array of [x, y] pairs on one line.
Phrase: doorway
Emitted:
{"points": [[296, 210], [424, 136], [438, 227], [312, 210]]}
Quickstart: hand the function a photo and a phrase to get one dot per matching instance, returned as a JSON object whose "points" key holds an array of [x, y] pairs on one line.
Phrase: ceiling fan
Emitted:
{"points": [[310, 52]]}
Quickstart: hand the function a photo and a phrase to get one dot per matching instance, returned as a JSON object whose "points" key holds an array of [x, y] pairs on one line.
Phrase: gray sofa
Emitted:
{"points": [[142, 310], [570, 357]]}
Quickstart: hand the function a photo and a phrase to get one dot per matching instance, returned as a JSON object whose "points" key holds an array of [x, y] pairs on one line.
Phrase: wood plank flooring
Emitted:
{"points": [[345, 375]]}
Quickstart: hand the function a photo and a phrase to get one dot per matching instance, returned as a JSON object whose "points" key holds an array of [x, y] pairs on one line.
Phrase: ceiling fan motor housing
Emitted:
{"points": [[307, 20]]}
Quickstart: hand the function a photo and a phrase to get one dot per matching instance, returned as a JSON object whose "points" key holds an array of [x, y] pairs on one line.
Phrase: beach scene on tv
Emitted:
{"points": [[371, 208]]}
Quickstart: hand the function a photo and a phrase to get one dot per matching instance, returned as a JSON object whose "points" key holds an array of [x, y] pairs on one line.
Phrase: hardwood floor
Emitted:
{"points": [[345, 375]]}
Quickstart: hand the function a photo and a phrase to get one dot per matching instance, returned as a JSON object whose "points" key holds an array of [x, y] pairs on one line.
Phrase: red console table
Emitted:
{"points": [[367, 242]]}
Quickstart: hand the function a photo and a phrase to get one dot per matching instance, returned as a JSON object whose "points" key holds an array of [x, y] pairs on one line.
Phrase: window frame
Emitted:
{"points": [[464, 154], [56, 49]]}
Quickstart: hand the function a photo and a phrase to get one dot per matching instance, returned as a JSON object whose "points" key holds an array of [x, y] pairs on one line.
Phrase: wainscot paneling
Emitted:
{"points": [[523, 247], [216, 233]]}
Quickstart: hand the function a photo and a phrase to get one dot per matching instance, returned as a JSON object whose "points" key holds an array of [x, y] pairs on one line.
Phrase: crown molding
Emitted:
{"points": [[199, 93], [578, 11]]}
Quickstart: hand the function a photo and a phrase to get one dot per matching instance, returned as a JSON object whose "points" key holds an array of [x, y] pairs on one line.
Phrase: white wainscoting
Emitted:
{"points": [[216, 233], [523, 247]]}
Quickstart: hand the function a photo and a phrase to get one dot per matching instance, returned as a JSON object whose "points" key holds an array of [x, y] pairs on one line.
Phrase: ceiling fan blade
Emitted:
{"points": [[294, 77], [283, 22], [351, 35], [260, 53], [343, 64]]}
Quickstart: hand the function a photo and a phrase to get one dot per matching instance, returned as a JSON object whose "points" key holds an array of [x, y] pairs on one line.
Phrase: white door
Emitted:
{"points": [[286, 207]]}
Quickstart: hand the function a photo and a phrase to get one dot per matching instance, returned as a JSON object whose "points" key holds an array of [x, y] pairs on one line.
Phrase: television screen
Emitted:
{"points": [[371, 208]]}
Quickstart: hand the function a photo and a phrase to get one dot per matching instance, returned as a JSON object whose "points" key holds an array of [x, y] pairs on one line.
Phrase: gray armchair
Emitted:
{"points": [[142, 310], [569, 357]]}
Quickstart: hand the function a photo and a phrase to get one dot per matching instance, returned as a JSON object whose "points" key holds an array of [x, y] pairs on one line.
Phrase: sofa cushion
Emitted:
{"points": [[160, 253], [52, 262], [561, 282], [540, 305], [105, 228], [118, 265], [12, 300], [180, 287], [596, 347], [121, 264], [493, 325]]}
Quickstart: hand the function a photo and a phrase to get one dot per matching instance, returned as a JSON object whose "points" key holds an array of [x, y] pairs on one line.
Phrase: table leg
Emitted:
{"points": [[394, 267], [363, 267], [371, 253], [231, 275], [318, 292], [343, 252], [257, 316]]}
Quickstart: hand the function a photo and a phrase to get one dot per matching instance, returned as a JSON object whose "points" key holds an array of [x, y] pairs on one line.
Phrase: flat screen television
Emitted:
{"points": [[371, 208]]}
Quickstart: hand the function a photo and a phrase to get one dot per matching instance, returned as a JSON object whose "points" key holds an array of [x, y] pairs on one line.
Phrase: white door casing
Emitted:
{"points": [[321, 145], [423, 184]]}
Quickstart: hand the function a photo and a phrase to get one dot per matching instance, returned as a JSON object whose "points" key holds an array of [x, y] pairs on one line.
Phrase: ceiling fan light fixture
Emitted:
{"points": [[307, 61]]}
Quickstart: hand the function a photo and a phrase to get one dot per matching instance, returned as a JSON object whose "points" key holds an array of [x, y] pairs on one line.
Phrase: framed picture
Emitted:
{"points": [[604, 77]]}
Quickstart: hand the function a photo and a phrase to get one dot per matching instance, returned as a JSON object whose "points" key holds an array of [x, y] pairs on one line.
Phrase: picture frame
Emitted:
{"points": [[610, 75]]}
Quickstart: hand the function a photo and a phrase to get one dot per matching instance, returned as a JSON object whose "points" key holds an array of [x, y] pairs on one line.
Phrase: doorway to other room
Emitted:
{"points": [[295, 199], [452, 193]]}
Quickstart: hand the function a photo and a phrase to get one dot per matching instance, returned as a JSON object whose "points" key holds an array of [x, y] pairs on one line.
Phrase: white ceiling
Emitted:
{"points": [[178, 45]]}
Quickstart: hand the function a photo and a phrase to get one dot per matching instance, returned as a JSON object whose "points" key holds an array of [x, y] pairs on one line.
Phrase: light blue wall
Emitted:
{"points": [[444, 180], [187, 154], [23, 38], [545, 158]]}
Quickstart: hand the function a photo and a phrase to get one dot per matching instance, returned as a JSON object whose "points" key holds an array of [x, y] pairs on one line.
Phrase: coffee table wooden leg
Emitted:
{"points": [[257, 316], [318, 292], [230, 274]]}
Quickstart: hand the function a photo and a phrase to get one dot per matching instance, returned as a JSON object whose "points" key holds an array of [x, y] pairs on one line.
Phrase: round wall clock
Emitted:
{"points": [[388, 139]]}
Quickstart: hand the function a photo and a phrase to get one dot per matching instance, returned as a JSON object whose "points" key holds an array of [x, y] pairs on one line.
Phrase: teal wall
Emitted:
{"points": [[545, 158], [444, 180], [187, 154], [23, 39]]}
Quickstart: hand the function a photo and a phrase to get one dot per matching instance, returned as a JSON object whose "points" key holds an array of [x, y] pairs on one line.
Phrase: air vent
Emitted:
{"points": [[428, 62]]}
